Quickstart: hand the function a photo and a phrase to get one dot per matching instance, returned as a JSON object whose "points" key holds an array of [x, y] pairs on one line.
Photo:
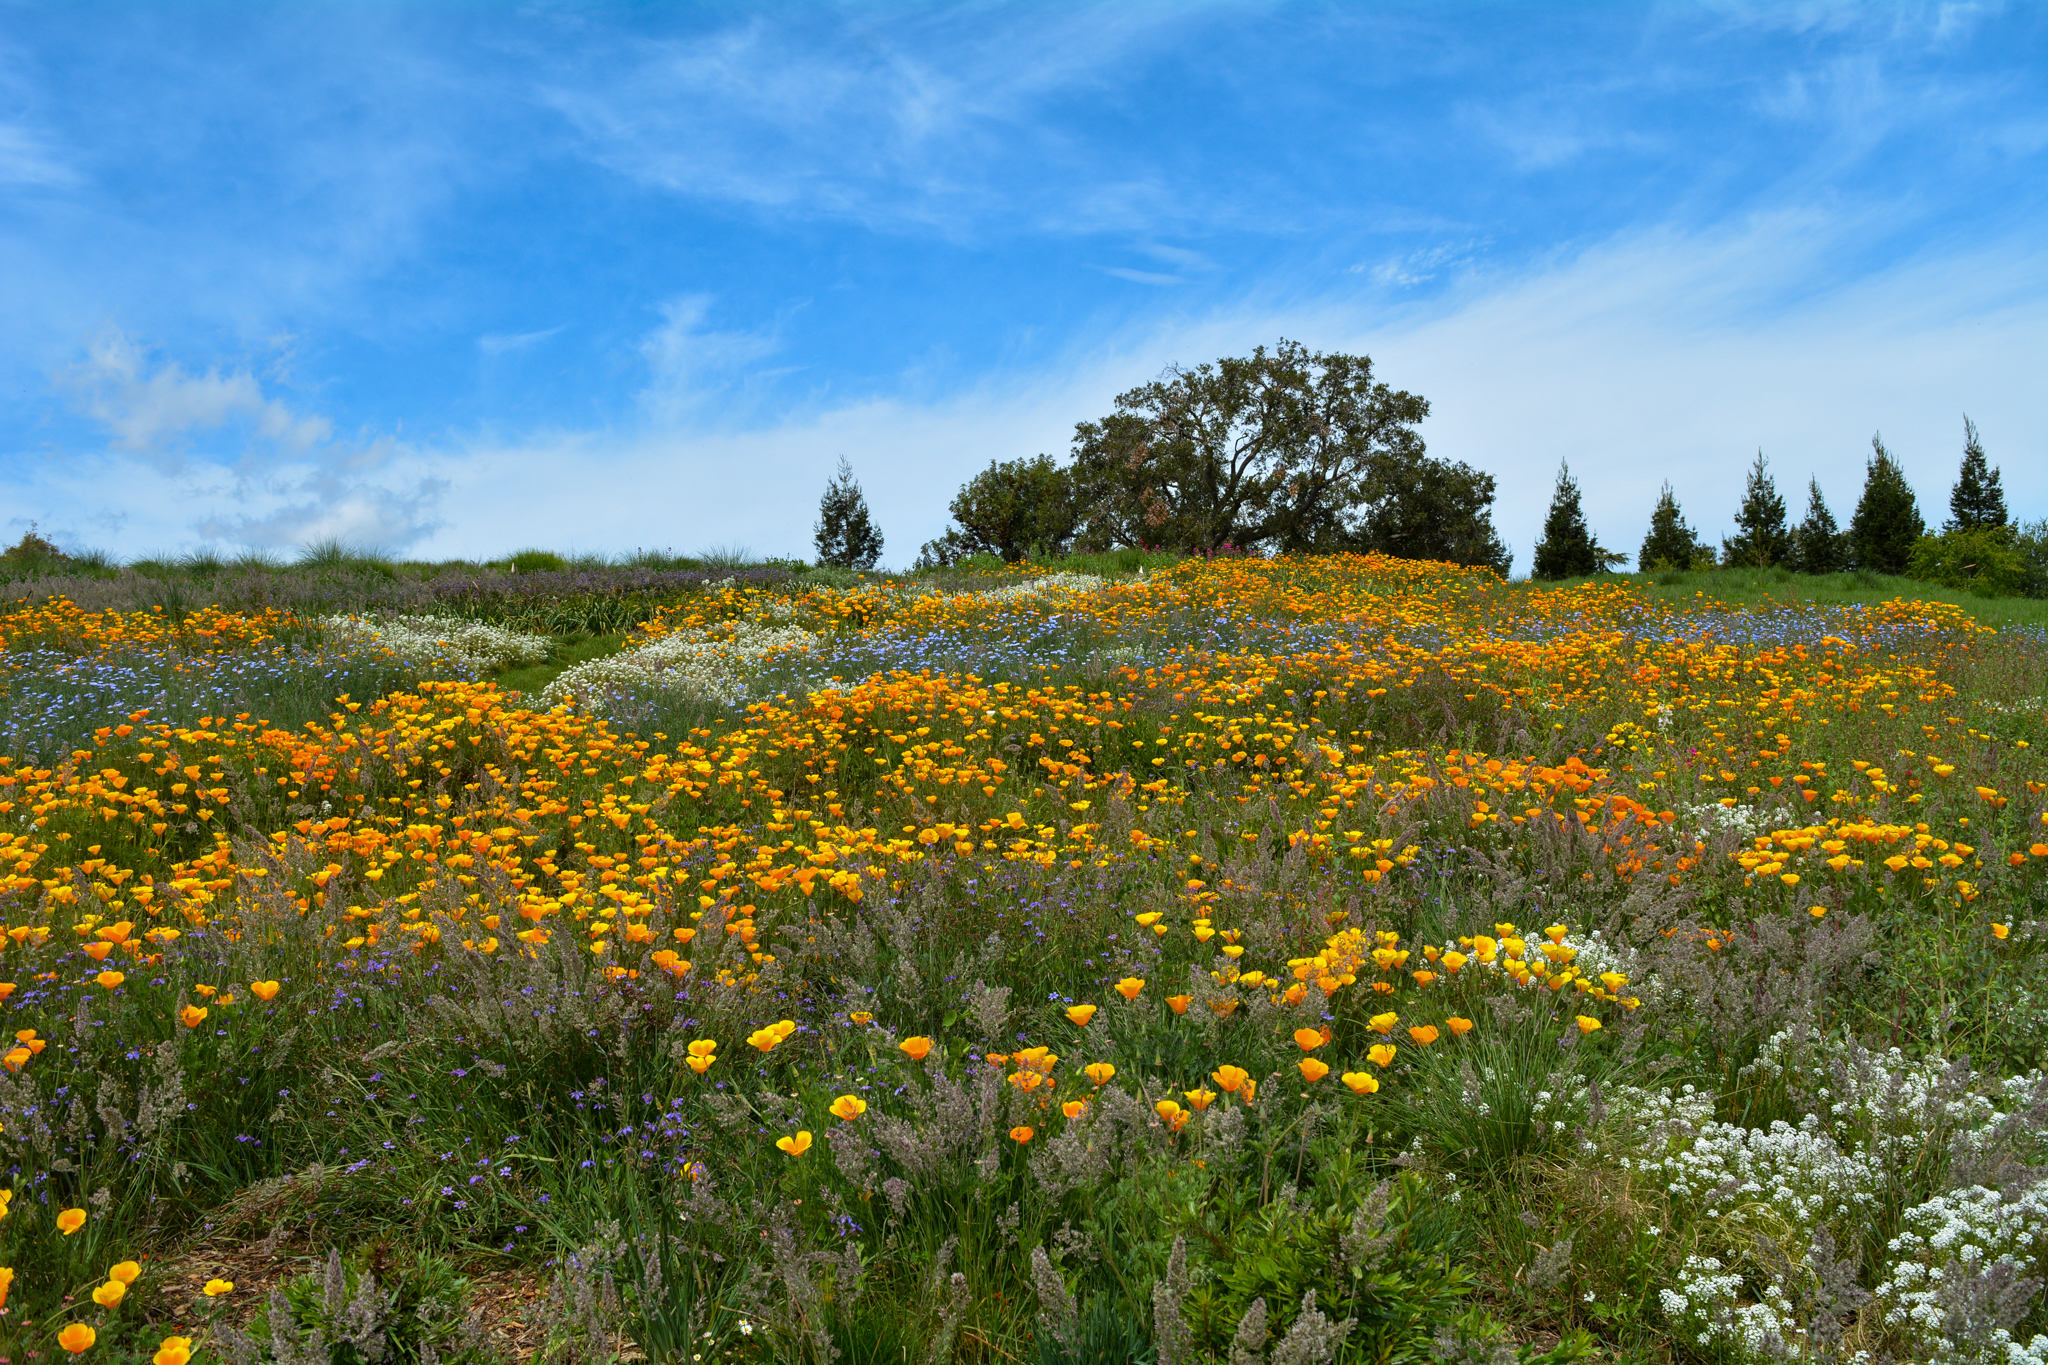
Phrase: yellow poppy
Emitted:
{"points": [[1423, 1034], [1381, 1054], [70, 1221], [109, 980], [1459, 1026], [1081, 1014], [1179, 1003], [1021, 1134], [1231, 1078], [1129, 987], [1099, 1072], [847, 1108], [126, 1272], [192, 1016], [1360, 1083], [110, 1294], [767, 1038], [795, 1146], [1587, 1023], [77, 1338], [916, 1048], [263, 990], [1309, 1039], [1312, 1070]]}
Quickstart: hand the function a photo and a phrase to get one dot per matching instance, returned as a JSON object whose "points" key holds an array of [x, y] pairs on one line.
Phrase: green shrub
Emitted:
{"points": [[1982, 561], [538, 561]]}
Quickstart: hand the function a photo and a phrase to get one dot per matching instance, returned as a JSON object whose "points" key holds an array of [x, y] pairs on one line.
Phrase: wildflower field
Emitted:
{"points": [[1331, 959]]}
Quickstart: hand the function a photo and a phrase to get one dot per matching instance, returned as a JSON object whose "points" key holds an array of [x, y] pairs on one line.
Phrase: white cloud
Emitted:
{"points": [[1672, 356], [213, 456], [150, 409]]}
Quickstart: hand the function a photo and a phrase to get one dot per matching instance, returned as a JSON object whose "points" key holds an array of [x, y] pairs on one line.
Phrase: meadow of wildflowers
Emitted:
{"points": [[1333, 959]]}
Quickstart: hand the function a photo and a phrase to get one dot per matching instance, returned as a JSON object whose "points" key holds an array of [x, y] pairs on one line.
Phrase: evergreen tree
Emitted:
{"points": [[1977, 502], [1761, 535], [1671, 544], [1887, 521], [845, 535], [1817, 543], [1567, 549]]}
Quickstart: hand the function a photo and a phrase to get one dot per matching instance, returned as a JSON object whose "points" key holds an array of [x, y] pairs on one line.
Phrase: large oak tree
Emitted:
{"points": [[1281, 450]]}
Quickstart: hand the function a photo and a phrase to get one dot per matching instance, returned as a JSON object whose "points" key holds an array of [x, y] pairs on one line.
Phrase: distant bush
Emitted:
{"points": [[538, 561], [32, 554], [1981, 560]]}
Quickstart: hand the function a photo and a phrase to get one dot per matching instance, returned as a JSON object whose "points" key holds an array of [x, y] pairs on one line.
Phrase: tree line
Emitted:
{"points": [[1979, 546], [1292, 450]]}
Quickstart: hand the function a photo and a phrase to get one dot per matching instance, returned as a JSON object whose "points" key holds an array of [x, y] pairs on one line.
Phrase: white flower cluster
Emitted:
{"points": [[1659, 1118], [1875, 1113], [2025, 706], [1887, 1103], [1711, 818], [708, 663], [439, 642], [1041, 587], [1781, 1174], [1951, 1239], [1708, 1297]]}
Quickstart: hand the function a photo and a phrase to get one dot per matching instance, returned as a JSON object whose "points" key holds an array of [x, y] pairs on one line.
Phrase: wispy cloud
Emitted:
{"points": [[893, 119], [689, 363], [499, 343], [150, 409], [27, 161], [1141, 276], [212, 455], [1421, 266]]}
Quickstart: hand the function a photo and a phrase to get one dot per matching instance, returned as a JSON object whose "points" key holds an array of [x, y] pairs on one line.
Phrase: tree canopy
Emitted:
{"points": [[846, 536], [1011, 509], [1817, 543], [1567, 549], [1761, 536], [1670, 544], [1281, 450], [1887, 522], [1977, 503]]}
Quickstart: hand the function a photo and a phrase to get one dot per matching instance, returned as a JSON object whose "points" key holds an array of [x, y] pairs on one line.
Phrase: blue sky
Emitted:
{"points": [[456, 279]]}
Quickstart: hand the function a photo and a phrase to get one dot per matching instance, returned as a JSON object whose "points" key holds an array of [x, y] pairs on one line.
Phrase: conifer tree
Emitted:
{"points": [[1887, 522], [1761, 536], [1567, 549], [846, 536], [1817, 543], [1978, 502], [1671, 544]]}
